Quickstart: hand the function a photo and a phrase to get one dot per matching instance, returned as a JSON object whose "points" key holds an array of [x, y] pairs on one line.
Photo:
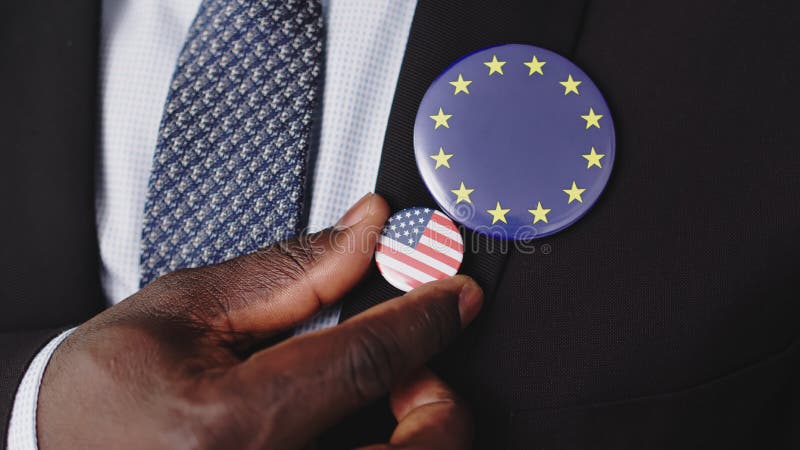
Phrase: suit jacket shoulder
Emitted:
{"points": [[49, 272]]}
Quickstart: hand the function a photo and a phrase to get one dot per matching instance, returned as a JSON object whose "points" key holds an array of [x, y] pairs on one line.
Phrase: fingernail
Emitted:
{"points": [[357, 212], [470, 300]]}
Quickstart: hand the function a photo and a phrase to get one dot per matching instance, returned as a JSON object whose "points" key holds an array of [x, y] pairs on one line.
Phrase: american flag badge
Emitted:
{"points": [[418, 245]]}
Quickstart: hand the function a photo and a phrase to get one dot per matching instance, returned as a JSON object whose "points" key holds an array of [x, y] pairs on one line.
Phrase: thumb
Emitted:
{"points": [[278, 287]]}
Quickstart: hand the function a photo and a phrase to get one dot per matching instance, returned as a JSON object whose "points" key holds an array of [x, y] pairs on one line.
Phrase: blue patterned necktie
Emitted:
{"points": [[229, 167]]}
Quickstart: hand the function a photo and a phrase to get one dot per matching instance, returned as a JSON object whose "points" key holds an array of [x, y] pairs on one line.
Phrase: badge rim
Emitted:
{"points": [[434, 211], [499, 232]]}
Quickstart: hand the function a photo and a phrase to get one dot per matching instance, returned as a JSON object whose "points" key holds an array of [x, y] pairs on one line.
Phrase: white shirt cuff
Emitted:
{"points": [[22, 428]]}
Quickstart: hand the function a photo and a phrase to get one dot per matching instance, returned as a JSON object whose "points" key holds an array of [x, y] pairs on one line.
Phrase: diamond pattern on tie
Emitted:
{"points": [[230, 164]]}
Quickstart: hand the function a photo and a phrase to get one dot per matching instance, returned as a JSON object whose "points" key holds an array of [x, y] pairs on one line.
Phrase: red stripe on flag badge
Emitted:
{"points": [[433, 253], [401, 280], [443, 230], [412, 259]]}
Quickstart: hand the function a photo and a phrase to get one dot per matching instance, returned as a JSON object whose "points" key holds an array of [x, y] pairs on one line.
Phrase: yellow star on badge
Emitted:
{"points": [[539, 214], [535, 66], [574, 193], [498, 213], [442, 158], [441, 119], [461, 85], [462, 193], [495, 66], [592, 119], [593, 159], [570, 85]]}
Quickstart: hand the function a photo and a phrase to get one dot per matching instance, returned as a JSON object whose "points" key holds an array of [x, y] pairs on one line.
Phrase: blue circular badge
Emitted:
{"points": [[514, 141]]}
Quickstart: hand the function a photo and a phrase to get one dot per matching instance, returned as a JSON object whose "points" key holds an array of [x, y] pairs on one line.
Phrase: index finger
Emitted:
{"points": [[310, 382]]}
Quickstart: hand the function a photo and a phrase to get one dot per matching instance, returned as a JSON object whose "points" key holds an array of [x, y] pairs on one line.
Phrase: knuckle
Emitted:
{"points": [[374, 356], [384, 347], [185, 282], [289, 260], [191, 298], [438, 321], [301, 251], [177, 280]]}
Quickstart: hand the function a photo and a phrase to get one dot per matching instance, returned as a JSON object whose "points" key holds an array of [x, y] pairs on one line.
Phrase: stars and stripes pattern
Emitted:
{"points": [[418, 245]]}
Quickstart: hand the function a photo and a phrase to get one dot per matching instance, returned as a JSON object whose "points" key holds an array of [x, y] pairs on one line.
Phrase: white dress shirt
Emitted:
{"points": [[141, 40]]}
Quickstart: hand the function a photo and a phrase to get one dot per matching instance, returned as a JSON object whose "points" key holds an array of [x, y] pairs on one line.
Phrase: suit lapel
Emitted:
{"points": [[442, 32]]}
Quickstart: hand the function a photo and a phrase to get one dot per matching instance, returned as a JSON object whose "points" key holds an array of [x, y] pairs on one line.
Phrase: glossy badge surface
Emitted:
{"points": [[514, 141], [418, 245]]}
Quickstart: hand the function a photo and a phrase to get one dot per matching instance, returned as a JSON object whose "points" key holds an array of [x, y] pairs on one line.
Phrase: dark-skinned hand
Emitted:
{"points": [[180, 364]]}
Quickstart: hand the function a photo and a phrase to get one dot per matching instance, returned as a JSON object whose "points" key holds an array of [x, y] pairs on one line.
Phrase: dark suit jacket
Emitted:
{"points": [[666, 318]]}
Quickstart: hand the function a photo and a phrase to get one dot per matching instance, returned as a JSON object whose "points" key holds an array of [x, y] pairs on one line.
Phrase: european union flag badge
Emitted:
{"points": [[514, 141]]}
